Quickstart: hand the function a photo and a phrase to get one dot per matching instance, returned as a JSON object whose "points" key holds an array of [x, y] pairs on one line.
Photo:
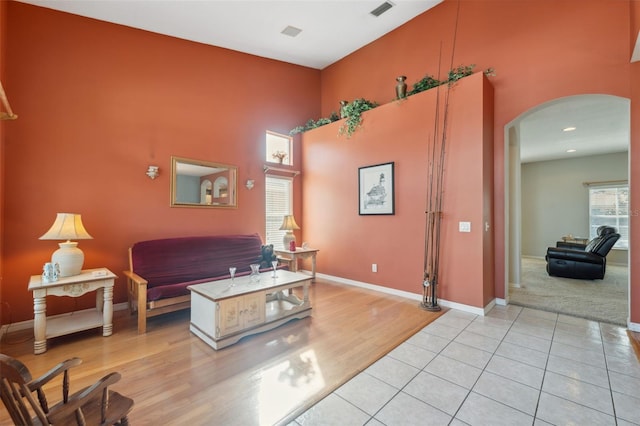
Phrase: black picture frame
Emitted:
{"points": [[376, 194]]}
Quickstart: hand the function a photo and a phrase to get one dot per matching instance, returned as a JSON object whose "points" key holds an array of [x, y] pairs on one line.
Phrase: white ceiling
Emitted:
{"points": [[188, 169], [602, 125], [332, 29]]}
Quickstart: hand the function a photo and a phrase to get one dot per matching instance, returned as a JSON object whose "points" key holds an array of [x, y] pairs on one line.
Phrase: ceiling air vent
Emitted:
{"points": [[291, 31], [382, 8]]}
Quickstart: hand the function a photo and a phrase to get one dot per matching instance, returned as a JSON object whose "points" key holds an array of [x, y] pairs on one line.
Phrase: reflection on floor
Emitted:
{"points": [[514, 366]]}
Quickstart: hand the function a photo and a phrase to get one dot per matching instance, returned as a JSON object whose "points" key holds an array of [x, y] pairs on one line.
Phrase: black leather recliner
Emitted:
{"points": [[587, 264]]}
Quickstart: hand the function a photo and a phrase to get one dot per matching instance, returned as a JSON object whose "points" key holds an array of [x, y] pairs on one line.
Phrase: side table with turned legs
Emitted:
{"points": [[292, 257], [100, 280]]}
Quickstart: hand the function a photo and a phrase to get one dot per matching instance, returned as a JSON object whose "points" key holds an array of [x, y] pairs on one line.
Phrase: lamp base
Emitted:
{"points": [[288, 237], [69, 258]]}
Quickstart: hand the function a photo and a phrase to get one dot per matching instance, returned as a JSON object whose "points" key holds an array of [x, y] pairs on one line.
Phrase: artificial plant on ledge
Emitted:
{"points": [[428, 82], [311, 124], [352, 111]]}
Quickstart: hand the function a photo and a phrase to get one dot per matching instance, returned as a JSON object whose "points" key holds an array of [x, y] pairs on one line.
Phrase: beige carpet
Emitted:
{"points": [[603, 300]]}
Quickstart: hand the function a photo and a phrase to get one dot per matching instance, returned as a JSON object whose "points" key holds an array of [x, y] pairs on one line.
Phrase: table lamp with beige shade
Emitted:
{"points": [[288, 225], [67, 226]]}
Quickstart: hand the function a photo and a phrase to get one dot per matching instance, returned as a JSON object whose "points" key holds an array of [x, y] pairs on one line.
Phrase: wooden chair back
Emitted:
{"points": [[94, 405]]}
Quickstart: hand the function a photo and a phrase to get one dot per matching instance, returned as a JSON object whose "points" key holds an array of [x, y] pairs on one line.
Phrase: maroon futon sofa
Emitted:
{"points": [[160, 270]]}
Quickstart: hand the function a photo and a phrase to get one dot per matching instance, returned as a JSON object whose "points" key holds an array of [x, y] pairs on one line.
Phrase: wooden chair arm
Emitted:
{"points": [[138, 287], [82, 399], [54, 372], [135, 277], [62, 368]]}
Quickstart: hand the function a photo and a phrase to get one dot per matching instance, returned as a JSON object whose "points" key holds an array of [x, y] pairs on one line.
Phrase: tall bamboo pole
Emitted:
{"points": [[430, 273], [435, 192]]}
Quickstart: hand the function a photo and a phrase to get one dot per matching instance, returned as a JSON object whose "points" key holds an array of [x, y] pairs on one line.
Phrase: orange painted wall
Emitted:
{"points": [[402, 132], [634, 33], [488, 247], [541, 50], [3, 26], [634, 167], [634, 188], [99, 103]]}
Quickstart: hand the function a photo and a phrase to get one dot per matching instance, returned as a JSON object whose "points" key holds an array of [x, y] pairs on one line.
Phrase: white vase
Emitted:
{"points": [[69, 257]]}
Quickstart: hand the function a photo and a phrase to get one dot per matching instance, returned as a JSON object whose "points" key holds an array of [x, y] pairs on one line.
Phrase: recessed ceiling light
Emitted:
{"points": [[291, 31], [568, 129], [571, 150]]}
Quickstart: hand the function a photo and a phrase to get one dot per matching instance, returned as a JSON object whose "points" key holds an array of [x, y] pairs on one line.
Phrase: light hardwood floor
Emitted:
{"points": [[265, 379]]}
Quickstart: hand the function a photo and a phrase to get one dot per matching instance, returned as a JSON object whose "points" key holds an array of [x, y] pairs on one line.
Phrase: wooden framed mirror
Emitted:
{"points": [[197, 183]]}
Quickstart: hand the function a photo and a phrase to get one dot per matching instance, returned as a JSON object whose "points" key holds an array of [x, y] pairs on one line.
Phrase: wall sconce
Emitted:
{"points": [[153, 172], [250, 183]]}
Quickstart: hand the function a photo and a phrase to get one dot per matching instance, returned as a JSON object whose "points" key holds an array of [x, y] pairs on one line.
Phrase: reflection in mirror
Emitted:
{"points": [[196, 183]]}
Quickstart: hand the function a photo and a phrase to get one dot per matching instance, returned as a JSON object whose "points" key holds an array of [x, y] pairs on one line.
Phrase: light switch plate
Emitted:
{"points": [[465, 226]]}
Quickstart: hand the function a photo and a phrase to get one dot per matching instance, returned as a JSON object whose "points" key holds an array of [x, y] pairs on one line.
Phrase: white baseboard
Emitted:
{"points": [[543, 258], [409, 295], [374, 287], [624, 265], [23, 325], [445, 303], [412, 296], [462, 307], [501, 302]]}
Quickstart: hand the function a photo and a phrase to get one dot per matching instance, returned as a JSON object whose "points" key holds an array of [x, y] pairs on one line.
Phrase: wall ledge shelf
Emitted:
{"points": [[268, 169]]}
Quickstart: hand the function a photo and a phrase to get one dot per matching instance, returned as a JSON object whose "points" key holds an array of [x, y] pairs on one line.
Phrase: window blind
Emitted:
{"points": [[609, 205], [278, 202]]}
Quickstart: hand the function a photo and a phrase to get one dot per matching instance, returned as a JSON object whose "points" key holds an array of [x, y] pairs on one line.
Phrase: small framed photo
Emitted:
{"points": [[375, 186]]}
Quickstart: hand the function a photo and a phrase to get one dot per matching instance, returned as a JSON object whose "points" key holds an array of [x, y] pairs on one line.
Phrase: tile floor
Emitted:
{"points": [[515, 366]]}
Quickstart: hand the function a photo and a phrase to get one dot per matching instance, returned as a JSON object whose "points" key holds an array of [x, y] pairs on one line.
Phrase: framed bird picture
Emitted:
{"points": [[376, 189]]}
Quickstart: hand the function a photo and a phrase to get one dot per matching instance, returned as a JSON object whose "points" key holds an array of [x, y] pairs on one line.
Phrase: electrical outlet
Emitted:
{"points": [[464, 226], [374, 267]]}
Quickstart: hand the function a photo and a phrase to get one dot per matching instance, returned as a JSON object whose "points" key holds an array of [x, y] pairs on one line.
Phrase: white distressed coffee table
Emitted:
{"points": [[223, 312]]}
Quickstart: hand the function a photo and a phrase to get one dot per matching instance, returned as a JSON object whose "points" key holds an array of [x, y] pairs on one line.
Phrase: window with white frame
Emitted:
{"points": [[279, 149], [278, 202], [609, 205]]}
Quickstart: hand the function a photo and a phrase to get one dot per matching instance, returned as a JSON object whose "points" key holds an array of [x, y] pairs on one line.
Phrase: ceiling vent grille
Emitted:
{"points": [[291, 31], [382, 8]]}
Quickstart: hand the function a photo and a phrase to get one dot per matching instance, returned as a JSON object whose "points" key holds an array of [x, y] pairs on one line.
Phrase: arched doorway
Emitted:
{"points": [[206, 192], [543, 134]]}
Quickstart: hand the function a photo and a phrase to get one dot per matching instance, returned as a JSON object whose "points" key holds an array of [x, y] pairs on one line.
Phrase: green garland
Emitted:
{"points": [[311, 124]]}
